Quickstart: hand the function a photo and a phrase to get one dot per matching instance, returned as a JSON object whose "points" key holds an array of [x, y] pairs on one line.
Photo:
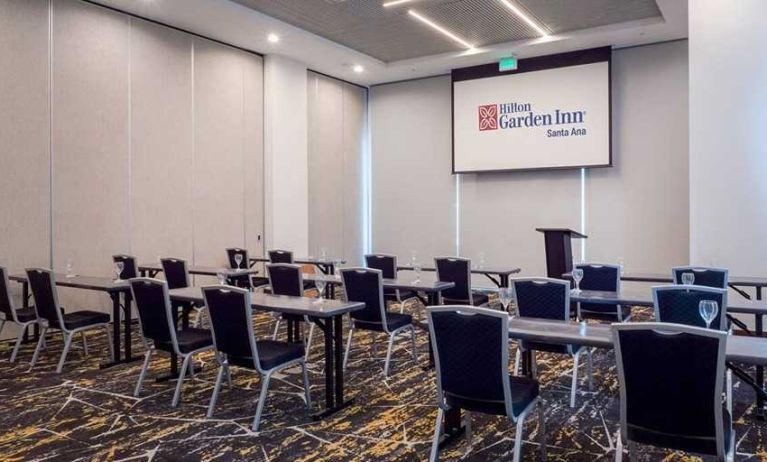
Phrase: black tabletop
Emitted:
{"points": [[279, 303], [492, 270], [305, 260], [202, 270], [96, 283], [399, 283]]}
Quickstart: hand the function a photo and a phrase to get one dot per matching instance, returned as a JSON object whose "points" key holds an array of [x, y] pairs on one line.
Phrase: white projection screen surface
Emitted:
{"points": [[552, 114]]}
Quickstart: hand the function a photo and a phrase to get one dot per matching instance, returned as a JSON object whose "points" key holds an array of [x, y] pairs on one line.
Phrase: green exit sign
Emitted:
{"points": [[507, 64]]}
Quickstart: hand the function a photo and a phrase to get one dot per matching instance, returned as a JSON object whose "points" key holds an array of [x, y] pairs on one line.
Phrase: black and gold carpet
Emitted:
{"points": [[88, 414]]}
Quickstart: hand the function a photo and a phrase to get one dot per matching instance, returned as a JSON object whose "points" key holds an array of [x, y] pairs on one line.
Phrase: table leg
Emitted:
{"points": [[128, 320], [173, 358], [759, 327], [338, 323], [334, 368], [504, 280], [432, 299], [451, 426]]}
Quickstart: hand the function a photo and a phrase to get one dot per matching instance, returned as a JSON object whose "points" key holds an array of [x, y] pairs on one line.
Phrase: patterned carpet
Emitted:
{"points": [[91, 414]]}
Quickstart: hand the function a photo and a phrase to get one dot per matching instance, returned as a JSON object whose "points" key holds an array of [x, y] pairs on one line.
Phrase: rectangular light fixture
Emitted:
{"points": [[440, 29], [521, 14], [396, 2]]}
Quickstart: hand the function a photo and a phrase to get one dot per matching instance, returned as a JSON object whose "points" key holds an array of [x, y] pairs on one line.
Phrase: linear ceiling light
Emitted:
{"points": [[441, 29], [515, 9], [396, 2]]}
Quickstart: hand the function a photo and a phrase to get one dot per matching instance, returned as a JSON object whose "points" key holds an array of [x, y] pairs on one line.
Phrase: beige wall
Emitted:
{"points": [[336, 158], [131, 136]]}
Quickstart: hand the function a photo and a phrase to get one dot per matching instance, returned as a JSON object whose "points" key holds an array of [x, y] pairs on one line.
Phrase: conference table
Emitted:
{"points": [[502, 273], [734, 282], [325, 265], [326, 314], [432, 289], [153, 269], [116, 290]]}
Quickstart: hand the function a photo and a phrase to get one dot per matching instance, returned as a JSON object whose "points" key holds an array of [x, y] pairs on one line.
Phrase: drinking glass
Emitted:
{"points": [[417, 268], [504, 295], [70, 268], [320, 284], [708, 310], [119, 267], [688, 279], [577, 277], [323, 253], [221, 278], [238, 259]]}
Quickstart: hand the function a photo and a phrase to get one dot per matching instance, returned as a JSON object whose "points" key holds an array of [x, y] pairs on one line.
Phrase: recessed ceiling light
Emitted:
{"points": [[440, 29], [516, 10], [358, 69], [273, 38], [396, 2]]}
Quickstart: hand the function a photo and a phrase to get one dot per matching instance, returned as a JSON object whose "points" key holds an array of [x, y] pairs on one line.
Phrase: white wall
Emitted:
{"points": [[636, 210], [286, 155], [728, 117]]}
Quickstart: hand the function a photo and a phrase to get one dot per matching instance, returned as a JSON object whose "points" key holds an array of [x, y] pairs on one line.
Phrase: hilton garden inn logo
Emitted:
{"points": [[517, 115]]}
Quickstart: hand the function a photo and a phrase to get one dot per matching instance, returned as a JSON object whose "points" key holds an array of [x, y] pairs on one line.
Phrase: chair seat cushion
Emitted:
{"points": [[394, 322], [523, 391], [689, 443], [190, 339], [478, 299], [272, 353], [258, 281], [390, 295], [80, 319], [604, 312], [26, 314]]}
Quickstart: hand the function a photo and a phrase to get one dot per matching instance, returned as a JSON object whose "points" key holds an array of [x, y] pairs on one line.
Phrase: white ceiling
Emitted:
{"points": [[240, 25]]}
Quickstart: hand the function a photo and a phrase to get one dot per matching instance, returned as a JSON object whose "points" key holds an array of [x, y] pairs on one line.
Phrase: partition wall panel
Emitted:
{"points": [[638, 210], [89, 141], [336, 191], [162, 149], [24, 138], [413, 191], [253, 151]]}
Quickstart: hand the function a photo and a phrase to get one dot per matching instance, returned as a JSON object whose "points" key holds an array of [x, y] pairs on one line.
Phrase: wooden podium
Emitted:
{"points": [[559, 252]]}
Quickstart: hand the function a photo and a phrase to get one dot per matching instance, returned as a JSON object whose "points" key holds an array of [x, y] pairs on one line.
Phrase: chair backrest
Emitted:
{"points": [[542, 298], [231, 320], [704, 276], [43, 288], [6, 303], [458, 271], [285, 279], [365, 285], [471, 354], [671, 382], [387, 264], [176, 272], [130, 268], [679, 305], [598, 276], [231, 252], [280, 256], [153, 305]]}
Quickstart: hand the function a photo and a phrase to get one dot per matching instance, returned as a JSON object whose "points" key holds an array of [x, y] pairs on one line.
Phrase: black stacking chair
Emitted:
{"points": [[606, 278], [287, 279], [545, 298], [678, 304], [159, 332], [231, 319], [366, 285], [458, 270], [387, 264], [51, 316], [471, 357], [704, 276], [252, 281], [671, 383], [22, 317], [280, 256], [177, 277], [130, 268]]}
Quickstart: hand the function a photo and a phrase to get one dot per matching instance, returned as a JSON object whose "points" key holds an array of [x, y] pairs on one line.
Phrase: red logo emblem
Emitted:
{"points": [[488, 117]]}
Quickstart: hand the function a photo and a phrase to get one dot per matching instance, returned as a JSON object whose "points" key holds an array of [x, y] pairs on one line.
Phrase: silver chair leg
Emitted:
{"points": [[434, 454], [728, 378], [517, 359], [2, 324], [67, 345], [109, 342], [216, 388], [261, 402], [181, 375], [309, 342], [37, 349], [619, 448], [85, 343], [16, 346], [388, 355], [542, 429], [632, 450], [574, 386], [415, 346], [307, 392], [348, 346], [276, 328], [469, 433], [229, 376], [590, 369], [142, 374], [518, 438]]}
